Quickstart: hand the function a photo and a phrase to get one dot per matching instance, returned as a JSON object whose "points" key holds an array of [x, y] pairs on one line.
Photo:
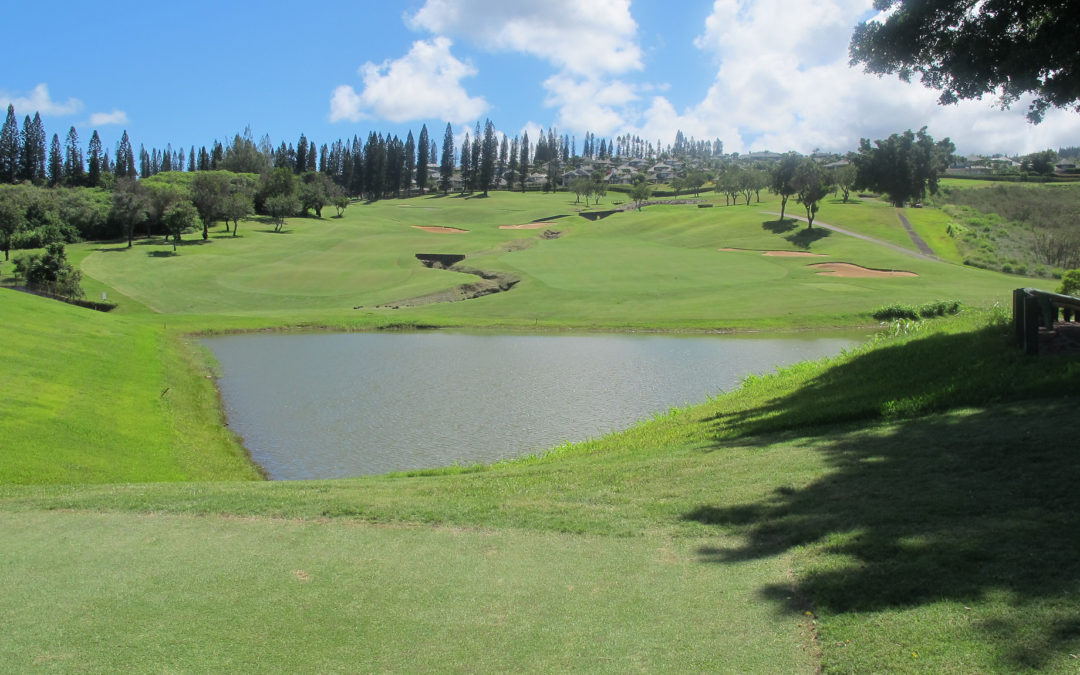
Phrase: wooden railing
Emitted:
{"points": [[1033, 308]]}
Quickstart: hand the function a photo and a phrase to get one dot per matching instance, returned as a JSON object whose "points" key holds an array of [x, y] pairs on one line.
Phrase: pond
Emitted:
{"points": [[338, 405]]}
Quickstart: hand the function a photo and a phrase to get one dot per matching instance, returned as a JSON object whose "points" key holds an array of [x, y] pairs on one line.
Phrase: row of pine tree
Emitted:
{"points": [[381, 166]]}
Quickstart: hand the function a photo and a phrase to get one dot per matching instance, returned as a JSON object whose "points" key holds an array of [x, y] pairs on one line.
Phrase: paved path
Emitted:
{"points": [[873, 240], [919, 241]]}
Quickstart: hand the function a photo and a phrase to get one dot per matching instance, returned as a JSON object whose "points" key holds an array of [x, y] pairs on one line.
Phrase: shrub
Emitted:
{"points": [[50, 272], [939, 308], [1070, 283], [899, 311], [895, 312]]}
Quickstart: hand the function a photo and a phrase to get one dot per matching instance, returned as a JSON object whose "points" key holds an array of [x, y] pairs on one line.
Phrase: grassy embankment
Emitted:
{"points": [[913, 496]]}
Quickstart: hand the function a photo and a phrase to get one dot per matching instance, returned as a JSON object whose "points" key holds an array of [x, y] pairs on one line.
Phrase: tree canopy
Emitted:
{"points": [[903, 166], [967, 48]]}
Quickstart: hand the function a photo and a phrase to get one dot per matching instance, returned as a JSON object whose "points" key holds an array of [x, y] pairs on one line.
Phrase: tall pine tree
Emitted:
{"points": [[73, 159], [523, 163], [9, 147], [56, 163], [466, 164], [94, 168], [302, 155], [422, 159], [488, 151], [410, 164], [446, 163], [32, 157], [125, 158]]}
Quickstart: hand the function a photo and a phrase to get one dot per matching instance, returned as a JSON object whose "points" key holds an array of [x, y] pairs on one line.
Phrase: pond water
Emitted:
{"points": [[339, 405]]}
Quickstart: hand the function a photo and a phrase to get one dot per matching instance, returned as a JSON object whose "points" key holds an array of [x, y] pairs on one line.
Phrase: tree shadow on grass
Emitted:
{"points": [[805, 237], [959, 506], [780, 226], [162, 254]]}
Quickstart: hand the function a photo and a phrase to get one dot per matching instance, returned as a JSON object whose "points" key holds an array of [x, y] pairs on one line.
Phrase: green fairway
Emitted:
{"points": [[659, 267], [903, 507], [212, 594]]}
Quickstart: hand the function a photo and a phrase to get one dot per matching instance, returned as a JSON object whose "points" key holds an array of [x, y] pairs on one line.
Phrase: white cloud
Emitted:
{"points": [[783, 82], [588, 43], [345, 104], [584, 38], [39, 100], [104, 119], [590, 104], [423, 84]]}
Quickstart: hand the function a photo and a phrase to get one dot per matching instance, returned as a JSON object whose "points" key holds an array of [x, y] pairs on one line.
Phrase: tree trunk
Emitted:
{"points": [[783, 205]]}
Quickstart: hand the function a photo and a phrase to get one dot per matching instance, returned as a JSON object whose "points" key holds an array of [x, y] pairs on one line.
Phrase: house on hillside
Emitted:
{"points": [[764, 156], [569, 176]]}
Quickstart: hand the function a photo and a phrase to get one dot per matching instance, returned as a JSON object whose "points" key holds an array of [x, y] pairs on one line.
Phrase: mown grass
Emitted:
{"points": [[89, 398], [904, 507], [658, 268], [913, 495]]}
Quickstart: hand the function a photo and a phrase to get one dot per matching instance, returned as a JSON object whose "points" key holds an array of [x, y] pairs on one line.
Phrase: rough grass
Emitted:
{"points": [[1015, 228]]}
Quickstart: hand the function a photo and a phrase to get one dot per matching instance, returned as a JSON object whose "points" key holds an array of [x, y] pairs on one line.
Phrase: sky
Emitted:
{"points": [[757, 74]]}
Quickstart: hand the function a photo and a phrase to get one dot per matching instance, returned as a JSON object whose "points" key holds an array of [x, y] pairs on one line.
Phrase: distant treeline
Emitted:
{"points": [[382, 165]]}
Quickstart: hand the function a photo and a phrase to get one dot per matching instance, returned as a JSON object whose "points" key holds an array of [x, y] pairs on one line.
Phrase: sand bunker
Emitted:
{"points": [[855, 271], [526, 226], [440, 230], [775, 254]]}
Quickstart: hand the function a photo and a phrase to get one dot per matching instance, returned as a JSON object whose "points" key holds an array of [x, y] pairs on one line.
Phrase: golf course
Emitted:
{"points": [[909, 505]]}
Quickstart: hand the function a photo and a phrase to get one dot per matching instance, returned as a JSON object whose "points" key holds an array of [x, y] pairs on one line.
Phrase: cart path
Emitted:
{"points": [[918, 241], [872, 240]]}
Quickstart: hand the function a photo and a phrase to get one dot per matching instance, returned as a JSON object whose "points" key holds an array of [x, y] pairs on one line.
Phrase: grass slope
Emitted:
{"points": [[657, 268], [921, 528], [90, 398], [904, 507]]}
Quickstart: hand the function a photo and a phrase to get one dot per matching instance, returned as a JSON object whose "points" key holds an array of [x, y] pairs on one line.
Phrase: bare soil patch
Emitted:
{"points": [[857, 271], [440, 230]]}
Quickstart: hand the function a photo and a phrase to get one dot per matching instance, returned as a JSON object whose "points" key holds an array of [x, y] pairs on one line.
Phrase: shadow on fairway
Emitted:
{"points": [[162, 254], [779, 226], [954, 507], [805, 237]]}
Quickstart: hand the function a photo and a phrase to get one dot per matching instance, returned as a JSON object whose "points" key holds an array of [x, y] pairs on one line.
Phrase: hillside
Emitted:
{"points": [[897, 508]]}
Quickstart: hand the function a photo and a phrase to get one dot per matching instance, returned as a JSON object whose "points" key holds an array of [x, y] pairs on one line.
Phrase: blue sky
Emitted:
{"points": [[758, 74]]}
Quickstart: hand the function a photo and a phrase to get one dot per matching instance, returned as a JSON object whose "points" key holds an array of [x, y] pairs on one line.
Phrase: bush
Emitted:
{"points": [[939, 308], [896, 312], [899, 311], [1070, 283], [50, 272]]}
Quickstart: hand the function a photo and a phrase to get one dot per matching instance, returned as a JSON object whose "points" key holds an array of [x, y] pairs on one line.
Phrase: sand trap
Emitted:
{"points": [[526, 226], [775, 254], [440, 230], [855, 271]]}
